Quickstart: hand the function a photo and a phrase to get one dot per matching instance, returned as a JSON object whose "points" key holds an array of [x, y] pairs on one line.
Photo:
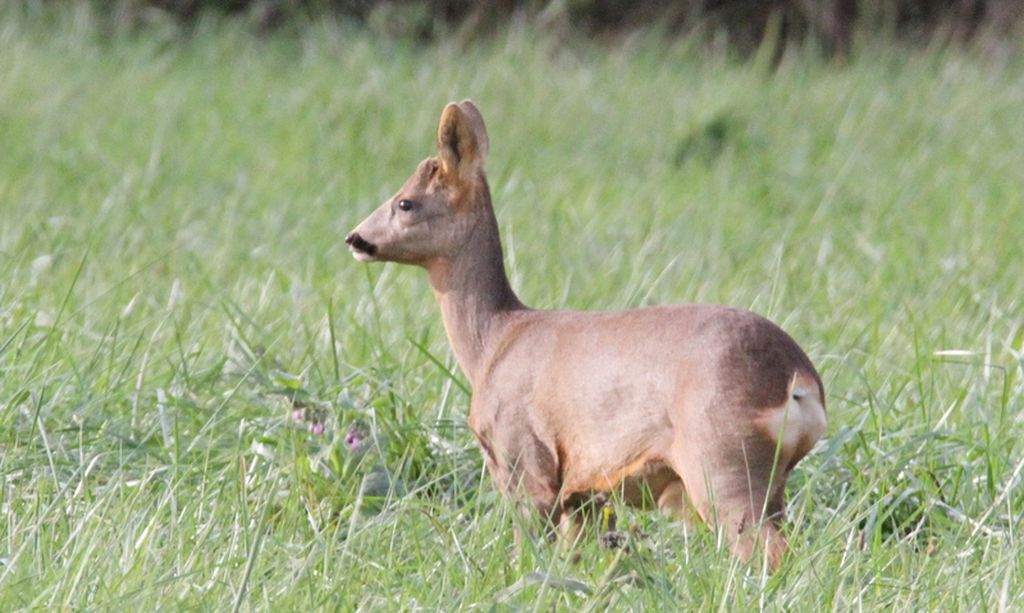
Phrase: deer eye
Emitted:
{"points": [[406, 205]]}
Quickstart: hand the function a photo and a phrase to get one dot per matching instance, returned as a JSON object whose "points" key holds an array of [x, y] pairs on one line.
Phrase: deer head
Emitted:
{"points": [[434, 213]]}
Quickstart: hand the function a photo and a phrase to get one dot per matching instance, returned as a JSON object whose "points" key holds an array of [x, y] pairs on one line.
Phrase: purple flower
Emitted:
{"points": [[355, 438], [316, 427], [298, 415]]}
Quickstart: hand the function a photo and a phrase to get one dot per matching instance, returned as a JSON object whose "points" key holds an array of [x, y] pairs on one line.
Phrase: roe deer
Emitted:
{"points": [[703, 407]]}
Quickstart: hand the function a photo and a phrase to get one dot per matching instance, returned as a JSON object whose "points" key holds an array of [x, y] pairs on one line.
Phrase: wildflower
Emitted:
{"points": [[317, 427], [355, 438], [298, 415]]}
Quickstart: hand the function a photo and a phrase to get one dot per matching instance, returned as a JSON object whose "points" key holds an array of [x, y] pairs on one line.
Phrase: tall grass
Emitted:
{"points": [[178, 312]]}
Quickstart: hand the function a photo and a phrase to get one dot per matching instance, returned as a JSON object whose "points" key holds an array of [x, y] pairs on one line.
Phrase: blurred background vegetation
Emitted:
{"points": [[742, 24]]}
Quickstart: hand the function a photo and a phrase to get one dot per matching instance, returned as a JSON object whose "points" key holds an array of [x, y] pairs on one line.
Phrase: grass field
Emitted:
{"points": [[174, 287]]}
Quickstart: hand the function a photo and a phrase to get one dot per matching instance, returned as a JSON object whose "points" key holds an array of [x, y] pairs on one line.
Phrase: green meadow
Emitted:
{"points": [[180, 318]]}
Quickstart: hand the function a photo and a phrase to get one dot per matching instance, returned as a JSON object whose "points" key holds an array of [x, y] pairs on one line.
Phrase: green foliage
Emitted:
{"points": [[178, 313], [742, 24]]}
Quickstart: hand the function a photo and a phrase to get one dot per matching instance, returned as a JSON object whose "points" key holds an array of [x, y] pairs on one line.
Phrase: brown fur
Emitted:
{"points": [[707, 408]]}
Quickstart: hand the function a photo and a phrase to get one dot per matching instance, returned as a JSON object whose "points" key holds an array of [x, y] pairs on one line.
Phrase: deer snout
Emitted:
{"points": [[361, 248]]}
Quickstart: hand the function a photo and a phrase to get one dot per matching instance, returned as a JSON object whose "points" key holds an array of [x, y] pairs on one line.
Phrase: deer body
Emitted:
{"points": [[706, 408]]}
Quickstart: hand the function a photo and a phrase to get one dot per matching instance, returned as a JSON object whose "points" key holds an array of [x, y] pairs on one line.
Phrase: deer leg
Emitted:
{"points": [[577, 515], [740, 491], [675, 502]]}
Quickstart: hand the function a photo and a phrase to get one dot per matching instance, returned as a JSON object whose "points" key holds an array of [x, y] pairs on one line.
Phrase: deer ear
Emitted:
{"points": [[476, 125], [461, 140]]}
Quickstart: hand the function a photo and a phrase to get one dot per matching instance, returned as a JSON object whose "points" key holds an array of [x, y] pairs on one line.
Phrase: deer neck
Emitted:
{"points": [[474, 294]]}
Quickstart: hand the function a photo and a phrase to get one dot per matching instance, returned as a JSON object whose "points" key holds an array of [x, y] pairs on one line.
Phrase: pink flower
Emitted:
{"points": [[298, 415], [355, 438], [316, 427]]}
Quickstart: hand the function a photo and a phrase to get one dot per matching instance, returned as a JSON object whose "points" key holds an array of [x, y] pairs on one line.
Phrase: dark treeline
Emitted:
{"points": [[747, 23]]}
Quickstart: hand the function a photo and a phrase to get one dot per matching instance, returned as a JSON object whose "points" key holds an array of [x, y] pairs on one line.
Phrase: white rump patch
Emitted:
{"points": [[800, 422]]}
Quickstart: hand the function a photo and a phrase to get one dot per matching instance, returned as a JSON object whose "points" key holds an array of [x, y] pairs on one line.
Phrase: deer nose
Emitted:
{"points": [[358, 243]]}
